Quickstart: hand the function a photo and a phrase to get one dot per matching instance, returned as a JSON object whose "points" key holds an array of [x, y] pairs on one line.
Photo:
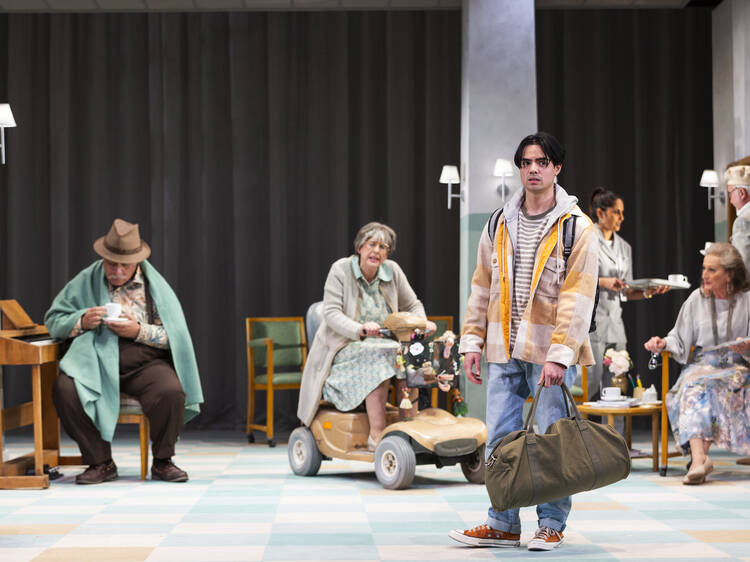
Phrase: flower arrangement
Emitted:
{"points": [[618, 362]]}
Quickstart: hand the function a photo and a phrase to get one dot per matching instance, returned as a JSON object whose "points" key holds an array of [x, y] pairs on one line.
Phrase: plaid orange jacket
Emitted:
{"points": [[555, 324]]}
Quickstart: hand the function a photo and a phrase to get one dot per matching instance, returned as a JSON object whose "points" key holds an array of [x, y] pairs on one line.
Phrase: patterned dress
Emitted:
{"points": [[711, 400], [361, 366]]}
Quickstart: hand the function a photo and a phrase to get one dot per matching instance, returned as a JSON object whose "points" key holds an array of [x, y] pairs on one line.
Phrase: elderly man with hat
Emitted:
{"points": [[738, 186], [146, 352]]}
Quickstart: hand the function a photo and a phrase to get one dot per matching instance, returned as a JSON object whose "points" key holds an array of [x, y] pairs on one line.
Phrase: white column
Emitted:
{"points": [[730, 22], [498, 109]]}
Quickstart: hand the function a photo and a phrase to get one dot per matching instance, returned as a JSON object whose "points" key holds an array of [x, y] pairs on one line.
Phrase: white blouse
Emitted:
{"points": [[694, 326]]}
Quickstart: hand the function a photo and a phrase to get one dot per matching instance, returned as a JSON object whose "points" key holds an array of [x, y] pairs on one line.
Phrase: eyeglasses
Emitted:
{"points": [[377, 246], [540, 162]]}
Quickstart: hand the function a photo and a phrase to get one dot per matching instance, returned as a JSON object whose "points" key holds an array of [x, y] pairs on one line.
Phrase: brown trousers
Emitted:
{"points": [[146, 373]]}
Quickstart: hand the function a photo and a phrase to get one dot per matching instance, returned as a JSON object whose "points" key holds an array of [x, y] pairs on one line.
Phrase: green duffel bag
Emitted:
{"points": [[573, 455]]}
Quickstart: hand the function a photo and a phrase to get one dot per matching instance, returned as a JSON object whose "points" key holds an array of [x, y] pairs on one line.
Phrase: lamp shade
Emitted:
{"points": [[503, 168], [6, 116], [449, 175], [709, 178]]}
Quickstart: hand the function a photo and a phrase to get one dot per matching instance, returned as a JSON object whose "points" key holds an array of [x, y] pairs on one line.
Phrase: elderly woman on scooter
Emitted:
{"points": [[349, 363]]}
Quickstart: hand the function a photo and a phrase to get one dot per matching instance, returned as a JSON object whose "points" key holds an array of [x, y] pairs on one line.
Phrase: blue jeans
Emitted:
{"points": [[508, 386]]}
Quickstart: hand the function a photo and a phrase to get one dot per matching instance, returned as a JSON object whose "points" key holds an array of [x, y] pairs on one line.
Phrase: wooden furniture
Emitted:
{"points": [[652, 410], [276, 346], [665, 454], [443, 324], [131, 412], [22, 342]]}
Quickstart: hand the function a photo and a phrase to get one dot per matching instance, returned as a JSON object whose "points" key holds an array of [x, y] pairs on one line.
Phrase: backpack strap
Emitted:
{"points": [[492, 223], [569, 236]]}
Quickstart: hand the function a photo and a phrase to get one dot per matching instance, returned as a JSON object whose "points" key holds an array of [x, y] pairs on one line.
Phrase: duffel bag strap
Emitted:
{"points": [[567, 399], [535, 467], [588, 439]]}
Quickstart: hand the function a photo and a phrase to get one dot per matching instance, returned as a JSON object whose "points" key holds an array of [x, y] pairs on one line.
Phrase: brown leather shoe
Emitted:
{"points": [[167, 471], [98, 473]]}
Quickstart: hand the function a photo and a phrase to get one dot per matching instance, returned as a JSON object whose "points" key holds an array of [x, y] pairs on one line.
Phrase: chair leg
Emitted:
{"points": [[250, 412], [269, 416], [144, 437], [434, 398]]}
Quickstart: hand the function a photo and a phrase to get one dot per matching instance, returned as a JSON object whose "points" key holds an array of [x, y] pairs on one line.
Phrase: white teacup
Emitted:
{"points": [[114, 309], [610, 393], [677, 278]]}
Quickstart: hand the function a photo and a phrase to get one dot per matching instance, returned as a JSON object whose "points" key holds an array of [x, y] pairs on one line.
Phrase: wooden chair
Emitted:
{"points": [[665, 454], [131, 412], [278, 348], [443, 324]]}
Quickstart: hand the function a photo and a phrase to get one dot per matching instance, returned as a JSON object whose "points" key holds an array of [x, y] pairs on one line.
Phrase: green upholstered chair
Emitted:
{"points": [[131, 412], [276, 355]]}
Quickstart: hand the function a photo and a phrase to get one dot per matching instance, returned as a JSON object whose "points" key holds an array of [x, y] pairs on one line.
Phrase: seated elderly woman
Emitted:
{"points": [[708, 402], [349, 363]]}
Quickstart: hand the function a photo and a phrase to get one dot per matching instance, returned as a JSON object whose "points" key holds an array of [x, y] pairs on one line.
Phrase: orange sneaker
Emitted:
{"points": [[546, 539], [482, 535]]}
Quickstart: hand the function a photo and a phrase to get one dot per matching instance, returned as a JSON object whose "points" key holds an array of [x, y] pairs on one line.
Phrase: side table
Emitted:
{"points": [[653, 410]]}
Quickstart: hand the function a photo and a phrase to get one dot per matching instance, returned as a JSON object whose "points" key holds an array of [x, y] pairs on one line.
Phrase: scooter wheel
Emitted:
{"points": [[304, 456], [395, 463], [474, 469]]}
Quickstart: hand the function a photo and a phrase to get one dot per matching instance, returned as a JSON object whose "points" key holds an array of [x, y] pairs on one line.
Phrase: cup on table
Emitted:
{"points": [[677, 278], [610, 393], [638, 392], [114, 309]]}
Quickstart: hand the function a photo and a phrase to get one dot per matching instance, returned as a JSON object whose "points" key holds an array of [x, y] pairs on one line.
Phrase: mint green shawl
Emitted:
{"points": [[93, 359]]}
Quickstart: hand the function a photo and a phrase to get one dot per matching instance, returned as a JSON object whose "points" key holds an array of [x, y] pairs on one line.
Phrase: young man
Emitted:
{"points": [[738, 187], [530, 311]]}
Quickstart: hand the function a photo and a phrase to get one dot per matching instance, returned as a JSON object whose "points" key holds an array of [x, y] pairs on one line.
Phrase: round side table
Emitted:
{"points": [[653, 410]]}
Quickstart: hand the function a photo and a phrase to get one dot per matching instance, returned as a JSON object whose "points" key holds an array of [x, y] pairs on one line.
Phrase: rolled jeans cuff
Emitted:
{"points": [[503, 526], [552, 524]]}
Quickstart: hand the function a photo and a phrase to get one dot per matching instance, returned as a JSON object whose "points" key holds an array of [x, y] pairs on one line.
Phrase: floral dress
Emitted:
{"points": [[361, 366], [711, 400]]}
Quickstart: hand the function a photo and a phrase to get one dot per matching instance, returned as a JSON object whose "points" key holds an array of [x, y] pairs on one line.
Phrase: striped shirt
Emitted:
{"points": [[530, 230]]}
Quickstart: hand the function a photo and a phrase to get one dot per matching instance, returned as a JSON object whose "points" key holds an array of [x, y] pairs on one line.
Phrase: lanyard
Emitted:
{"points": [[729, 319]]}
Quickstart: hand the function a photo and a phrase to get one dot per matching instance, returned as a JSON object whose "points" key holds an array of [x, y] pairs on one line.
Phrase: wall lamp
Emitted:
{"points": [[503, 169], [710, 179], [449, 176], [6, 120]]}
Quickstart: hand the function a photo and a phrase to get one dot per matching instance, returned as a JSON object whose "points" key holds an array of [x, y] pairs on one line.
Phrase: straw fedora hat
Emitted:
{"points": [[122, 244]]}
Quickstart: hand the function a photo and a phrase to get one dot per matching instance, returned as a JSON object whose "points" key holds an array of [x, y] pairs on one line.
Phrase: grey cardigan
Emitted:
{"points": [[341, 302]]}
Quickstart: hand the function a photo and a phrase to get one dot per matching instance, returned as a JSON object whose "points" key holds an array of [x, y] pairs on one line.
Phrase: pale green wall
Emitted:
{"points": [[471, 230]]}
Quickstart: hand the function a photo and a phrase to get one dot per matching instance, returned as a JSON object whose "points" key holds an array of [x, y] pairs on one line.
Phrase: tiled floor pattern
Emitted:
{"points": [[243, 503]]}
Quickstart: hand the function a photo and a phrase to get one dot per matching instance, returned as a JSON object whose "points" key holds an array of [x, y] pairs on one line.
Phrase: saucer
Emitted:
{"points": [[118, 319], [620, 398]]}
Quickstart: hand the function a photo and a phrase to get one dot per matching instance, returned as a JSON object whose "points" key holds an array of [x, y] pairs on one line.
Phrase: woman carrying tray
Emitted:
{"points": [[708, 403], [615, 272]]}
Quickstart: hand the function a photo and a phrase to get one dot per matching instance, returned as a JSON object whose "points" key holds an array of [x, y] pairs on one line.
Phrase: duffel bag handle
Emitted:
{"points": [[567, 398]]}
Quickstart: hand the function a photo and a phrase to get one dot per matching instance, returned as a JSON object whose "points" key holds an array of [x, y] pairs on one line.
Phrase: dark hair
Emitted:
{"points": [[601, 199], [550, 146]]}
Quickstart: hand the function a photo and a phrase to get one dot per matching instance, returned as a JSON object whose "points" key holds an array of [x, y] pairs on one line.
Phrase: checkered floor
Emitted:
{"points": [[243, 503]]}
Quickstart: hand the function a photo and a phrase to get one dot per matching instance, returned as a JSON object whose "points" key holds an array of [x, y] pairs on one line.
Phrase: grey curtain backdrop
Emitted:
{"points": [[629, 94], [250, 147]]}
